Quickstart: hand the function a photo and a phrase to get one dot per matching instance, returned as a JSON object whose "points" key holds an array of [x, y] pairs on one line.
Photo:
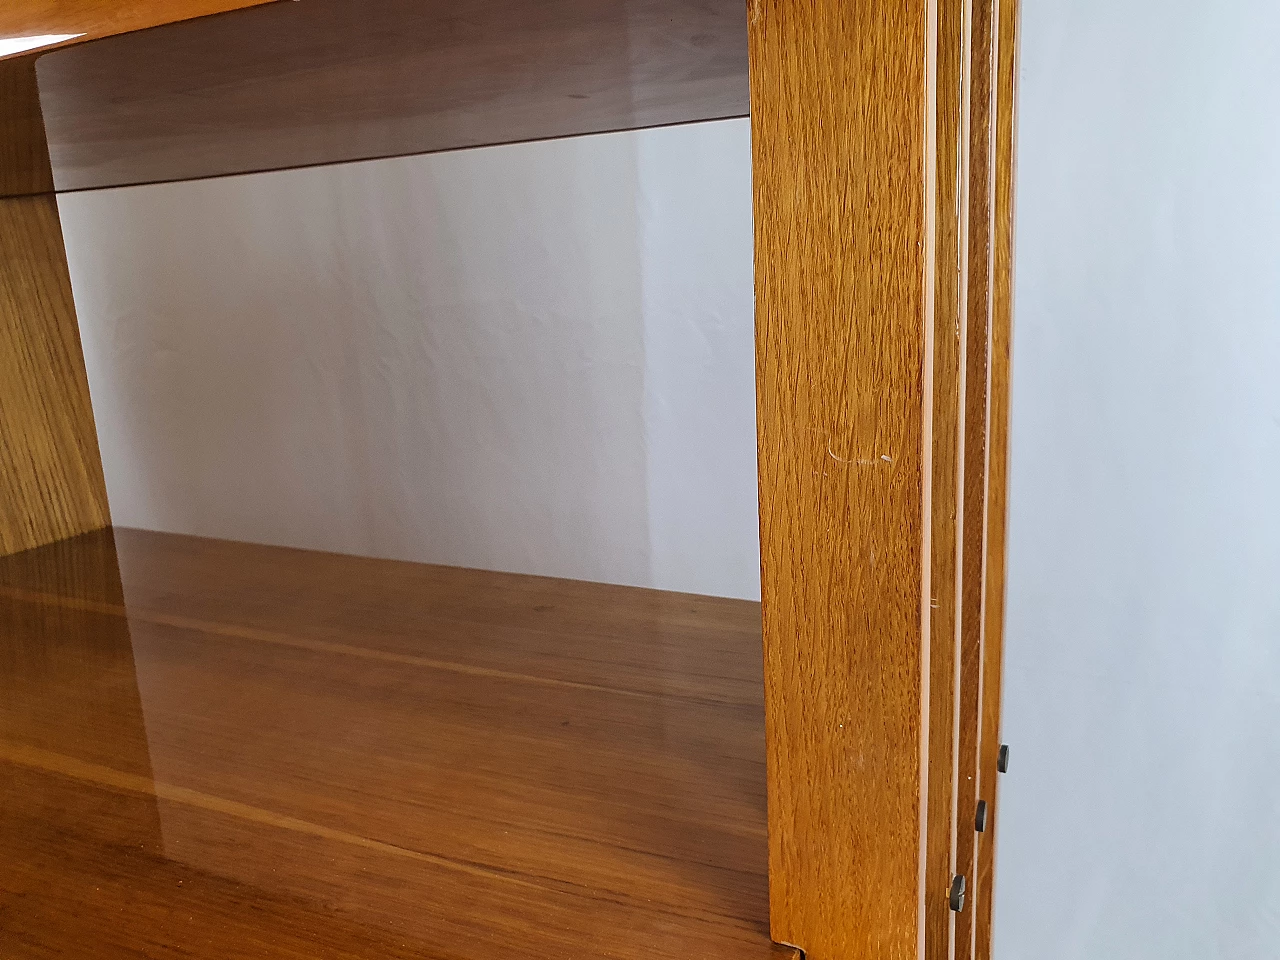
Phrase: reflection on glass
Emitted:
{"points": [[11, 45]]}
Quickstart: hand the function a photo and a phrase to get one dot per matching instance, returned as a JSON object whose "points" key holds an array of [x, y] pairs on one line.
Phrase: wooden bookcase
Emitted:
{"points": [[883, 165]]}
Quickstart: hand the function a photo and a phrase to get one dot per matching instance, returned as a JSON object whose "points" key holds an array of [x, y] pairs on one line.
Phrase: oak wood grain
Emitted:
{"points": [[102, 18], [948, 394], [24, 156], [285, 754], [998, 484], [51, 481], [976, 423], [842, 118], [325, 81]]}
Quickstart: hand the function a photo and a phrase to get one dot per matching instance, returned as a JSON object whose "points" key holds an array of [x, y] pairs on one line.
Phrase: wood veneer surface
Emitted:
{"points": [[238, 751], [325, 81], [51, 482], [843, 167]]}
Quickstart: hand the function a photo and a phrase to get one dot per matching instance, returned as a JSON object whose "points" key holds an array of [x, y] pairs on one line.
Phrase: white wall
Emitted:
{"points": [[1142, 811], [535, 357]]}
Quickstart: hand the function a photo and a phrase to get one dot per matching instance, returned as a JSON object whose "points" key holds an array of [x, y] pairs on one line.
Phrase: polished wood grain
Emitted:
{"points": [[102, 18], [24, 157], [976, 422], [998, 485], [843, 180], [324, 81], [68, 676], [276, 753], [948, 394], [51, 481]]}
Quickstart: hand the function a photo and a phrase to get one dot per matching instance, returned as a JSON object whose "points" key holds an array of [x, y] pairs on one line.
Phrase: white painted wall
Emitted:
{"points": [[535, 358], [1142, 811]]}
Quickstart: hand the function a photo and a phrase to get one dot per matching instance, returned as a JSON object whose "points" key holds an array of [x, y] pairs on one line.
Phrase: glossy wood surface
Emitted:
{"points": [[323, 81], [998, 485], [51, 483], [237, 751], [843, 168], [976, 422], [948, 394], [102, 18]]}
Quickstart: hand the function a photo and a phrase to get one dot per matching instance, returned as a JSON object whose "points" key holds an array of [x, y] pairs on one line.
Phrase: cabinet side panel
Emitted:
{"points": [[844, 165]]}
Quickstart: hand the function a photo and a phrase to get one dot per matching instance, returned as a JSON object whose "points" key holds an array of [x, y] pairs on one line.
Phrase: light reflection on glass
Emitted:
{"points": [[11, 45]]}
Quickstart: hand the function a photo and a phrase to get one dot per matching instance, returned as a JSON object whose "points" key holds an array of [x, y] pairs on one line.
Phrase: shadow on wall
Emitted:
{"points": [[534, 358]]}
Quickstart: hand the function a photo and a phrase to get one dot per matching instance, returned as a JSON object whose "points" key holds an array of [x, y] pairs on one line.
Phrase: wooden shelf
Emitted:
{"points": [[325, 81], [226, 750]]}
